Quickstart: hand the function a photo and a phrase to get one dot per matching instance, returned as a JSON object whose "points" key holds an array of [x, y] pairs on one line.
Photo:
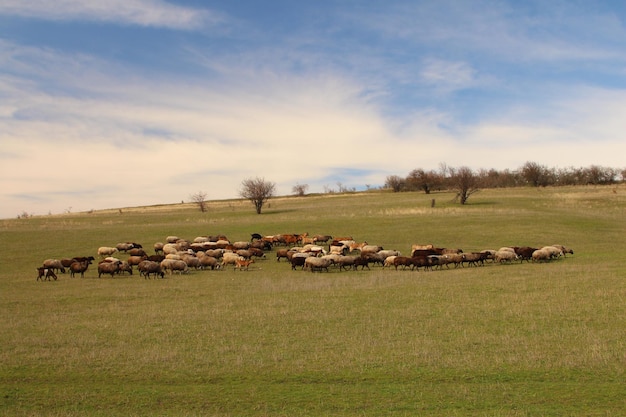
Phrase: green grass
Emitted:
{"points": [[500, 340]]}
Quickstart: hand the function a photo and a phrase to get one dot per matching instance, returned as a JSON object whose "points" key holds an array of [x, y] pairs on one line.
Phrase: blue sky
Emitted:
{"points": [[118, 103]]}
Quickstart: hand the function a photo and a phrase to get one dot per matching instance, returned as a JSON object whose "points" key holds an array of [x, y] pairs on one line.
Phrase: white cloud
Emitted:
{"points": [[136, 12]]}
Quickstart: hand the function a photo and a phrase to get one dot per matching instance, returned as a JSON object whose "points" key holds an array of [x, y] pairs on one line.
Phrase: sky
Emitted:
{"points": [[122, 103]]}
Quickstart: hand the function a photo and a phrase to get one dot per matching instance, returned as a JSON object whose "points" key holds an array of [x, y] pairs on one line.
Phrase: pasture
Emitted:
{"points": [[524, 339]]}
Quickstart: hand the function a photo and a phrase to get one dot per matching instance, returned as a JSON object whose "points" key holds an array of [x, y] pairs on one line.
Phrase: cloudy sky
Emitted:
{"points": [[119, 103]]}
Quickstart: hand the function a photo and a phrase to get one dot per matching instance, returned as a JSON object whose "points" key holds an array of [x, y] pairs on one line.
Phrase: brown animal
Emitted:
{"points": [[79, 267], [242, 264], [45, 274]]}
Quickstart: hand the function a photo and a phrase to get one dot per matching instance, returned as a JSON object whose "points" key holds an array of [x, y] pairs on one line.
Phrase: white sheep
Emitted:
{"points": [[541, 255], [315, 263], [105, 251], [505, 256]]}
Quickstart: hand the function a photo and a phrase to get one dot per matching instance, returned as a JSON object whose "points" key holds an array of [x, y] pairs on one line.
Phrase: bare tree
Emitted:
{"points": [[258, 191], [200, 199], [395, 182], [424, 180], [464, 182], [300, 189]]}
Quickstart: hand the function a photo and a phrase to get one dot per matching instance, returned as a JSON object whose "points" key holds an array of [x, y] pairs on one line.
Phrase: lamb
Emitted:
{"points": [[105, 251], [45, 274], [315, 263], [242, 264]]}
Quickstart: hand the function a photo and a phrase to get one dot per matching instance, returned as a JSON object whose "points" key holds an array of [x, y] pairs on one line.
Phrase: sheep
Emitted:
{"points": [[503, 256], [126, 246], [525, 253], [208, 262], [79, 267], [314, 249], [54, 264], [389, 252], [283, 253], [125, 267], [241, 245], [554, 251], [475, 258], [370, 249], [172, 265], [230, 258], [321, 238], [158, 247], [45, 274], [541, 255], [564, 249], [150, 267], [389, 260], [297, 259], [451, 258], [105, 267], [374, 258], [172, 239], [169, 248], [314, 263], [105, 251], [135, 260]]}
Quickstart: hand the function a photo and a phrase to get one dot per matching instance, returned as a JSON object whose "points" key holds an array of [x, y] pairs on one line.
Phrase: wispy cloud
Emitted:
{"points": [[155, 13]]}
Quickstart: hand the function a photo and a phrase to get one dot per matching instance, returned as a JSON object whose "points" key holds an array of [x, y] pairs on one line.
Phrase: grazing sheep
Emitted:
{"points": [[79, 267], [209, 262], [158, 247], [172, 239], [229, 258], [146, 268], [297, 259], [126, 246], [105, 251], [174, 265], [317, 264], [45, 274], [105, 267], [125, 267], [54, 264]]}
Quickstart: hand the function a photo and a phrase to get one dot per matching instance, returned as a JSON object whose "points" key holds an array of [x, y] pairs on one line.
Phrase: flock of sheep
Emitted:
{"points": [[313, 253]]}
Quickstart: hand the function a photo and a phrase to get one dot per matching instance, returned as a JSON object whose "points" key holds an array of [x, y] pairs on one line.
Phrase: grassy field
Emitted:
{"points": [[500, 340]]}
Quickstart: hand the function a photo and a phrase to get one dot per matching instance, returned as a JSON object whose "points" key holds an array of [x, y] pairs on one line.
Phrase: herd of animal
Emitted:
{"points": [[301, 251]]}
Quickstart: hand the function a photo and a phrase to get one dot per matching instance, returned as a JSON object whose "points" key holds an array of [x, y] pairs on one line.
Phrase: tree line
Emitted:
{"points": [[466, 181]]}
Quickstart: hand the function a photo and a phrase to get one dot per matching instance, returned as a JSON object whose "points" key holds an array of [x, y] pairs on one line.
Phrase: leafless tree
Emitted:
{"points": [[395, 182], [200, 199], [258, 191], [465, 183], [300, 189]]}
